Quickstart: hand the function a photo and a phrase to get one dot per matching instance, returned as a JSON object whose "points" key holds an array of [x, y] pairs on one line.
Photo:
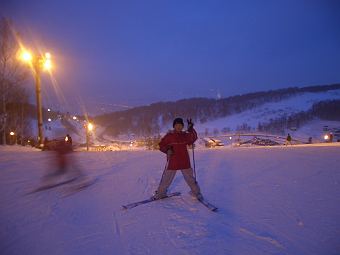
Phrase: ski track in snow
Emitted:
{"points": [[264, 238], [271, 201]]}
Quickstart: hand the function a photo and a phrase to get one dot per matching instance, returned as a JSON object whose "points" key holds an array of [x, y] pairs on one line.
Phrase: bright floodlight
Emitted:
{"points": [[326, 137], [26, 56], [90, 126], [12, 133], [47, 55], [74, 117], [47, 64]]}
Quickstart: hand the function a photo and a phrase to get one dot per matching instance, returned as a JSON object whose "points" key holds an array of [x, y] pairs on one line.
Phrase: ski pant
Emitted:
{"points": [[168, 177]]}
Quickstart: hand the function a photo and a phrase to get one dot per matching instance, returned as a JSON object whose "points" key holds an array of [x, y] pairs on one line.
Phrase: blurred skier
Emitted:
{"points": [[174, 145], [63, 157], [64, 164], [68, 141], [65, 170], [331, 137]]}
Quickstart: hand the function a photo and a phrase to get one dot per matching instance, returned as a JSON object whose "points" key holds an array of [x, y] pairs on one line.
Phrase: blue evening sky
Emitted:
{"points": [[137, 52]]}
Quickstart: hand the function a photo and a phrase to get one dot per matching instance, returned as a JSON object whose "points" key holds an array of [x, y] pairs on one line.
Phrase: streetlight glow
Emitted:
{"points": [[90, 126], [47, 64], [38, 62], [26, 56], [43, 60]]}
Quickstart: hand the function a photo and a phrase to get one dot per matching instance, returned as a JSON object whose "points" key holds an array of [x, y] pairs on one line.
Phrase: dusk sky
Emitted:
{"points": [[139, 52]]}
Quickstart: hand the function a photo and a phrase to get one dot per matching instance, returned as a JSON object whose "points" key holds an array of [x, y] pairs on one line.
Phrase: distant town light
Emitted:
{"points": [[49, 119], [74, 117], [12, 133], [48, 109], [66, 139], [326, 137]]}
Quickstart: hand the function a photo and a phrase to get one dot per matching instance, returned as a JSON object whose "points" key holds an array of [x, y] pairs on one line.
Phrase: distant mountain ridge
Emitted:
{"points": [[152, 119]]}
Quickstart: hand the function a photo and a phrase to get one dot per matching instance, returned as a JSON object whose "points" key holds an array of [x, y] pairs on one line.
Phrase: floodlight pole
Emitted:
{"points": [[39, 104]]}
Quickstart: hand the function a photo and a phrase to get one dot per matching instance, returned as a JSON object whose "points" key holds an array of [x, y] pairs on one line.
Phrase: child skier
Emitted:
{"points": [[174, 145]]}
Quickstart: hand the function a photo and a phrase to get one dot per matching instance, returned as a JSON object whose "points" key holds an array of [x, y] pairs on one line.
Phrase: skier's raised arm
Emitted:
{"points": [[192, 134]]}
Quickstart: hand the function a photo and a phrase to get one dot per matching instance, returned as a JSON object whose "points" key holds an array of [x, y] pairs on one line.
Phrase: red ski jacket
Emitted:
{"points": [[178, 142]]}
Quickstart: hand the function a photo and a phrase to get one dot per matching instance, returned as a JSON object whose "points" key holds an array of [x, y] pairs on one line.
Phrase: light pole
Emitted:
{"points": [[11, 134], [89, 128], [38, 63]]}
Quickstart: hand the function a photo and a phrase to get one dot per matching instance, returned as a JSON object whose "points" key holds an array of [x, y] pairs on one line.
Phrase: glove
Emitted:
{"points": [[190, 124]]}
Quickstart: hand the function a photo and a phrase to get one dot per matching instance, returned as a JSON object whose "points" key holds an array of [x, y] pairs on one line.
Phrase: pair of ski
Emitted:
{"points": [[210, 206]]}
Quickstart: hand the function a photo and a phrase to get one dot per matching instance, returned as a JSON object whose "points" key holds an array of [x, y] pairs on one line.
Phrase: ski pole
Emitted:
{"points": [[190, 125], [193, 159], [166, 166]]}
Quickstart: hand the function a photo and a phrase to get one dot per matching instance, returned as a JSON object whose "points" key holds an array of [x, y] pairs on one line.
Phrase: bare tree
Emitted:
{"points": [[17, 111], [12, 75]]}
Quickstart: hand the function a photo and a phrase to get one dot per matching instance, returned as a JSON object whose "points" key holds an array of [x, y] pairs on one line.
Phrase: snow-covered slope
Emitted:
{"points": [[252, 118], [282, 200], [58, 128], [269, 111]]}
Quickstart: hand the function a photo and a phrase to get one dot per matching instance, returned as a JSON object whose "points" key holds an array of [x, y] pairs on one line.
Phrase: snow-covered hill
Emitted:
{"points": [[273, 110], [260, 114], [282, 200]]}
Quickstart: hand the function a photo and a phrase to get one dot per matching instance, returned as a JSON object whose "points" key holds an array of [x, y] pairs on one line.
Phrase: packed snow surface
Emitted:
{"points": [[282, 200]]}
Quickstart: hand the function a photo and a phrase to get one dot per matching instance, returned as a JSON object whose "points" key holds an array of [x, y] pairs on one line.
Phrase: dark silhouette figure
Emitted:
{"points": [[288, 140]]}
